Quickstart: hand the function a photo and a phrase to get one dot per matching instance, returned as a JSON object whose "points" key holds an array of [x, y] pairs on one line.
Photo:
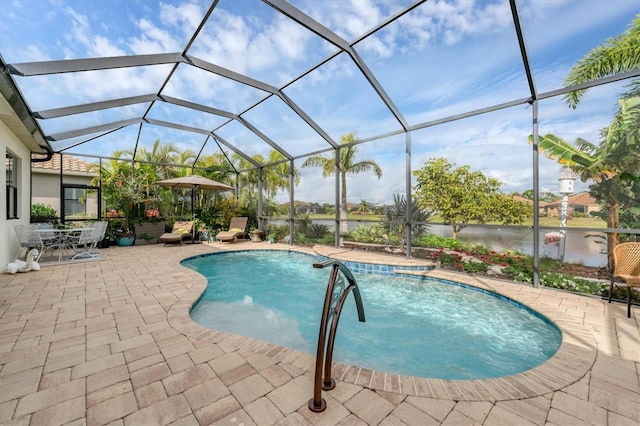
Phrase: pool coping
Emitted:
{"points": [[573, 360]]}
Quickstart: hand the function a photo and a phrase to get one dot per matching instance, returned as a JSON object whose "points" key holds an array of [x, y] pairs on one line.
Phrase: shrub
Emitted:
{"points": [[316, 231], [43, 213], [302, 222], [567, 282], [436, 241], [368, 234], [475, 267], [449, 243]]}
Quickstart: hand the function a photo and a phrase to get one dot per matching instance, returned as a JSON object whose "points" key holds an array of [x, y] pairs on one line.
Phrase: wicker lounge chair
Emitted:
{"points": [[237, 228], [181, 231], [626, 263]]}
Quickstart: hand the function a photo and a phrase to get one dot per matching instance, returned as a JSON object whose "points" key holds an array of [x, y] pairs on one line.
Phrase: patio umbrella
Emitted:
{"points": [[194, 182]]}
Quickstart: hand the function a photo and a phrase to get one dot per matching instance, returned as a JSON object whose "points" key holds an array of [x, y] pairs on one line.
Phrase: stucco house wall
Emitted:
{"points": [[46, 182], [10, 143], [20, 136]]}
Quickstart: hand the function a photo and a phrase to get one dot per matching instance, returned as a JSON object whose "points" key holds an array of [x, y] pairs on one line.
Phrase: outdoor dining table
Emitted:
{"points": [[60, 235]]}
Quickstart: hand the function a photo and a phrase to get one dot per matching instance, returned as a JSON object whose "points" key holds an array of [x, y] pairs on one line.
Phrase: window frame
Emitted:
{"points": [[12, 166]]}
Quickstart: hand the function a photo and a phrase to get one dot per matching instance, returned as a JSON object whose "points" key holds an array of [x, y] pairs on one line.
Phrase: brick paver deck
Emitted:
{"points": [[111, 342]]}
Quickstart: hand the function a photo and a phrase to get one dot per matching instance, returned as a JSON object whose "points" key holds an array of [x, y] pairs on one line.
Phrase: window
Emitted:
{"points": [[11, 164], [74, 202], [80, 202]]}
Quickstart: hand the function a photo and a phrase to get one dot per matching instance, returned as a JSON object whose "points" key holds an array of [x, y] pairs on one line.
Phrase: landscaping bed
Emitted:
{"points": [[513, 266]]}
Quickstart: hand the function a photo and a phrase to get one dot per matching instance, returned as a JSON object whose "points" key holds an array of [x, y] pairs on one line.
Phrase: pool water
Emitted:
{"points": [[414, 326]]}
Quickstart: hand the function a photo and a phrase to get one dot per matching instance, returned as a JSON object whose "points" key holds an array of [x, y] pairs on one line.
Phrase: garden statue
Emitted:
{"points": [[19, 265]]}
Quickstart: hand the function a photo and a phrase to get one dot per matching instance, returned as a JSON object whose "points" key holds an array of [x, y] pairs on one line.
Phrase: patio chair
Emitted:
{"points": [[237, 228], [29, 237], [85, 244], [181, 231], [626, 264]]}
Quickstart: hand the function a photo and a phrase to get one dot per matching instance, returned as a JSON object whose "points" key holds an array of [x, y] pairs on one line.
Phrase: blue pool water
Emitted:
{"points": [[414, 326]]}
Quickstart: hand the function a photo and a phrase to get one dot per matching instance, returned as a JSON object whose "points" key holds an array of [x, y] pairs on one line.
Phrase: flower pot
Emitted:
{"points": [[256, 236], [153, 230], [105, 243], [125, 241]]}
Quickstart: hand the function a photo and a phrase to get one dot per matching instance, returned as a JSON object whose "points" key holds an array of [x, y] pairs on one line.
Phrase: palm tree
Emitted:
{"points": [[363, 208], [277, 177], [158, 158], [347, 164]]}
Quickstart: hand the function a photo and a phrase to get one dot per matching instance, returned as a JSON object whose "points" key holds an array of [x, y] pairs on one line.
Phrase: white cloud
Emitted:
{"points": [[443, 58], [153, 40]]}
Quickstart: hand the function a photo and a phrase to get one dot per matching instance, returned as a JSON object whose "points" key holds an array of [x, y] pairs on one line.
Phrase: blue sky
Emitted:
{"points": [[442, 59]]}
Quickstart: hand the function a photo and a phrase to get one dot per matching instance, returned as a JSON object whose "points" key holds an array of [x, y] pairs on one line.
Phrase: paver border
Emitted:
{"points": [[573, 360]]}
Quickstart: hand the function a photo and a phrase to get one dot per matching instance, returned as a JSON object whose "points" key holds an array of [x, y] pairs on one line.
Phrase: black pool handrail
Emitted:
{"points": [[317, 403]]}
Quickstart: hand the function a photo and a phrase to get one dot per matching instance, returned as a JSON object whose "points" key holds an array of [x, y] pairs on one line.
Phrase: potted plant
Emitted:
{"points": [[124, 237], [110, 234]]}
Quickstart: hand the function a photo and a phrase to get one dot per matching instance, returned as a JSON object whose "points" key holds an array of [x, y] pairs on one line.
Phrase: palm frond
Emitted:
{"points": [[617, 54]]}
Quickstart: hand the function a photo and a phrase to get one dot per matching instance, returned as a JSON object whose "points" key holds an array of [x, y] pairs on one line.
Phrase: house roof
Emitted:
{"points": [[583, 199], [522, 199], [580, 199], [69, 164]]}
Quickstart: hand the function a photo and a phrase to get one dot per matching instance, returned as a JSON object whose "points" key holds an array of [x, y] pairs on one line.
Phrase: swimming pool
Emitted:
{"points": [[415, 326]]}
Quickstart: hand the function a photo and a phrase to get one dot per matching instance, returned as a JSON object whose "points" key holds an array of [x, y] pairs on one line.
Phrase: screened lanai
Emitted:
{"points": [[255, 86]]}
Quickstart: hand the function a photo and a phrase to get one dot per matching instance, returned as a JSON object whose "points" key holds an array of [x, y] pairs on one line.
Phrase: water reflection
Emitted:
{"points": [[580, 247]]}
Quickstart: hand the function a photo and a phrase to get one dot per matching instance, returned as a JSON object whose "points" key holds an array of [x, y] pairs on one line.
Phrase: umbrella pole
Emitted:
{"points": [[192, 194]]}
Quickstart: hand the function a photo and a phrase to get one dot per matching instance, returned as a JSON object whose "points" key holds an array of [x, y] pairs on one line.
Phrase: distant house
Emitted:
{"points": [[541, 204], [75, 190], [303, 207], [582, 203]]}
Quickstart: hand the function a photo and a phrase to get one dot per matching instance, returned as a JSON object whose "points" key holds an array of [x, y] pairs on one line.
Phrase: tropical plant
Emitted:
{"points": [[439, 242], [543, 196], [317, 231], [615, 159], [347, 164], [274, 177], [616, 55], [156, 161], [363, 207], [375, 233], [302, 223], [628, 196], [43, 213], [396, 220], [461, 196]]}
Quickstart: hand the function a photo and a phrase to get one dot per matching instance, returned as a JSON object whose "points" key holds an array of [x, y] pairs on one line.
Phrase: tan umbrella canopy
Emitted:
{"points": [[194, 182]]}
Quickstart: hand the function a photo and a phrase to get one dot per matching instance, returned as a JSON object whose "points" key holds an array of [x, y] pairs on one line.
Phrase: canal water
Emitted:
{"points": [[580, 246]]}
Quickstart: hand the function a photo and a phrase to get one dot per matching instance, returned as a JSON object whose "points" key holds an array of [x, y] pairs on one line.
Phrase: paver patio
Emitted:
{"points": [[111, 342]]}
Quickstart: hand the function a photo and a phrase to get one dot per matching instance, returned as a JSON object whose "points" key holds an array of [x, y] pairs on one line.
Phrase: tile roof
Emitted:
{"points": [[69, 164], [584, 199], [581, 199]]}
